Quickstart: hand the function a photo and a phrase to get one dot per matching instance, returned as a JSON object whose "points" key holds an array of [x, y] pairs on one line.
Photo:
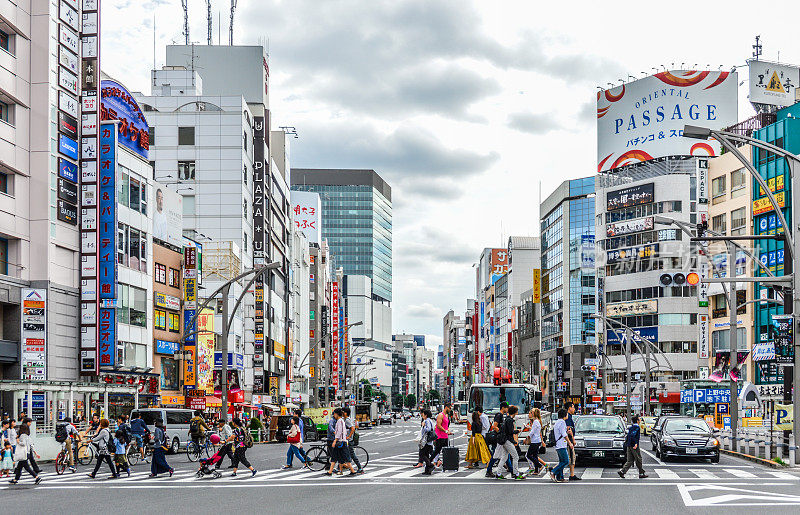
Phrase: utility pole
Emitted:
{"points": [[734, 403], [647, 379], [225, 330], [628, 340]]}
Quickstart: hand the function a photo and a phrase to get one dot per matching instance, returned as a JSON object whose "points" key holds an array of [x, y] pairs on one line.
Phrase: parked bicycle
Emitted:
{"points": [[319, 457]]}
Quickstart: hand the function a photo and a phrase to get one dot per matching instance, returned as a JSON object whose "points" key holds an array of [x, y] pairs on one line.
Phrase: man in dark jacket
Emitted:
{"points": [[632, 451]]}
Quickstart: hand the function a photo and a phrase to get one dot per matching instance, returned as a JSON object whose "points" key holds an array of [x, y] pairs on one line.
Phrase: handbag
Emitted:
{"points": [[491, 437]]}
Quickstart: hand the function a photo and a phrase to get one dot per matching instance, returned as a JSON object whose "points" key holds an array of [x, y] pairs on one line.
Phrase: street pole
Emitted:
{"points": [[647, 380], [628, 340], [732, 308], [225, 330]]}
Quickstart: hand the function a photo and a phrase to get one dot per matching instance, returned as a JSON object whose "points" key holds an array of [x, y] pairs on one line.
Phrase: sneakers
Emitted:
{"points": [[519, 477], [73, 469], [643, 476], [254, 473], [287, 467], [574, 478], [500, 476], [37, 480], [233, 474], [621, 474], [561, 481], [490, 474], [553, 478], [13, 481]]}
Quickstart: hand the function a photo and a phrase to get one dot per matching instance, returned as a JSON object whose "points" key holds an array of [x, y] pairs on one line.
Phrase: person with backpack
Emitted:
{"points": [[295, 442], [491, 436], [139, 433], [197, 429], [506, 445], [427, 435], [561, 435], [66, 433], [243, 441], [103, 442], [120, 457]]}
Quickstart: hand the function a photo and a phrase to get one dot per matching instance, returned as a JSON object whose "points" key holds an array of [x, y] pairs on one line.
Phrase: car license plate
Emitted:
{"points": [[598, 454], [691, 451]]}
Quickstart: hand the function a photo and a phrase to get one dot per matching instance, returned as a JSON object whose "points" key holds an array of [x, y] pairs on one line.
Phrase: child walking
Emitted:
{"points": [[7, 462], [120, 457]]}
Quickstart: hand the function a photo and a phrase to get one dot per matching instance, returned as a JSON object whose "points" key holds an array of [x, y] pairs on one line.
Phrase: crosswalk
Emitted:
{"points": [[399, 468]]}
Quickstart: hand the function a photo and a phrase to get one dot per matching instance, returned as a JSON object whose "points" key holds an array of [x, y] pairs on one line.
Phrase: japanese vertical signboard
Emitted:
{"points": [[702, 337], [783, 336], [499, 263], [259, 254], [107, 246], [537, 285], [306, 207], [34, 335], [189, 312], [87, 65], [335, 335]]}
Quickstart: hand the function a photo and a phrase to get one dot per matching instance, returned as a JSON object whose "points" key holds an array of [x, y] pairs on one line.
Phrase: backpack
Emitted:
{"points": [[125, 431], [61, 433], [247, 439], [194, 427]]}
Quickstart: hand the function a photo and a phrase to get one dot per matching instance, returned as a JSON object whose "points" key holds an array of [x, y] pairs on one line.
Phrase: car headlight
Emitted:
{"points": [[668, 441], [713, 442], [579, 442], [619, 444]]}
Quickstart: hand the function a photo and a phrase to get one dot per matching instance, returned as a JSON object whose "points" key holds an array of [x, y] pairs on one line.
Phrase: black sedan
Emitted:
{"points": [[685, 437], [600, 437]]}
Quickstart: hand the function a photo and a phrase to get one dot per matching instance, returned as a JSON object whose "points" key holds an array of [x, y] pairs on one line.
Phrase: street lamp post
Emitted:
{"points": [[792, 266], [329, 335]]}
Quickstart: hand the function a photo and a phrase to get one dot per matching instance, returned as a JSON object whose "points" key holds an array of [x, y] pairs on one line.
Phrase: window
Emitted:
{"points": [[5, 112], [161, 273], [718, 223], [738, 184], [174, 278], [4, 183], [738, 221], [3, 256], [179, 417], [244, 207], [174, 321], [160, 319], [152, 134], [185, 170], [244, 138], [718, 188], [132, 354], [188, 205], [169, 379], [133, 305], [244, 174], [4, 41], [185, 135]]}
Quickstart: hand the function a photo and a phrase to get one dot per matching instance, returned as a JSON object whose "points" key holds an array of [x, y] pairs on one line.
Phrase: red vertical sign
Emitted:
{"points": [[475, 338], [335, 335]]}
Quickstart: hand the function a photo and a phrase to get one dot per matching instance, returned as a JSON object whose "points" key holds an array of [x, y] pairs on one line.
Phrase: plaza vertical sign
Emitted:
{"points": [[107, 245], [33, 339]]}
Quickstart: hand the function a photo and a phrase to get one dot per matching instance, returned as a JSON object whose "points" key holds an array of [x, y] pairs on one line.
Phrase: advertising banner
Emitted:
{"points": [[34, 335], [637, 307], [783, 417], [632, 254], [629, 197], [702, 336], [306, 209], [644, 119], [783, 335], [190, 309], [205, 352], [107, 246], [335, 335], [588, 253], [168, 216], [648, 333], [629, 226], [116, 103], [772, 83], [499, 263], [763, 205]]}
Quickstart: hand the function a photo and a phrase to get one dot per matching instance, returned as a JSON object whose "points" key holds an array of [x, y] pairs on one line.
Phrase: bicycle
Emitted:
{"points": [[319, 457], [62, 460], [86, 453], [133, 453], [193, 451]]}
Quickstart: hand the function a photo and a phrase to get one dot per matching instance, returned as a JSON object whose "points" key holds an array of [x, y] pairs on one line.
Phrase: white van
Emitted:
{"points": [[176, 422]]}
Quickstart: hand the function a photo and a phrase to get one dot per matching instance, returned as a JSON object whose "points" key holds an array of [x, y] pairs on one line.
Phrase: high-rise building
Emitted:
{"points": [[568, 287], [357, 221]]}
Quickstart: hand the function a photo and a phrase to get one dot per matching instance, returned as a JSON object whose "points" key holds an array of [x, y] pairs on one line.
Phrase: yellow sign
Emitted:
{"points": [[775, 84], [172, 400], [190, 289], [537, 285], [273, 386], [205, 352], [189, 365], [763, 205], [311, 371], [774, 184], [783, 418], [279, 350]]}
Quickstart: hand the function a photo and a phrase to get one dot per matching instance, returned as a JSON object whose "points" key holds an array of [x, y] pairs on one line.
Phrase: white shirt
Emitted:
{"points": [[560, 433], [536, 431], [12, 436], [484, 424]]}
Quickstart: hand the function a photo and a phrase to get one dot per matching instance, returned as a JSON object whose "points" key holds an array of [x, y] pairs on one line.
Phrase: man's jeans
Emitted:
{"points": [[563, 461]]}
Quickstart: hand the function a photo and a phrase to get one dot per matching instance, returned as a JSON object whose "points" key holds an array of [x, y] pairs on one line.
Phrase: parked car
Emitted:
{"points": [[284, 425], [176, 421], [599, 437], [687, 437], [386, 418]]}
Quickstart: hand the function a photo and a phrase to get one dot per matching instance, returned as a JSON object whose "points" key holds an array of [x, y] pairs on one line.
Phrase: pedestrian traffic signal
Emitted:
{"points": [[702, 227]]}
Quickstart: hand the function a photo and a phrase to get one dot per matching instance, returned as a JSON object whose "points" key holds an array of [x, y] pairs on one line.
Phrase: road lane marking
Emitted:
{"points": [[592, 473], [782, 475], [740, 473], [666, 473], [703, 474]]}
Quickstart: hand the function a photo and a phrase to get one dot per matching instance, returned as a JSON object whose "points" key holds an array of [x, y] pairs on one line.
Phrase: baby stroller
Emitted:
{"points": [[207, 465]]}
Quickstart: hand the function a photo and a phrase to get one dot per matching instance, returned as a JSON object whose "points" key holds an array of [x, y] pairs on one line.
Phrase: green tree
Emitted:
{"points": [[433, 396], [397, 400], [411, 400]]}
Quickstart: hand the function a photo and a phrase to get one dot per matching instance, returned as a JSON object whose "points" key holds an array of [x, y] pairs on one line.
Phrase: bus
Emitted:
{"points": [[488, 396]]}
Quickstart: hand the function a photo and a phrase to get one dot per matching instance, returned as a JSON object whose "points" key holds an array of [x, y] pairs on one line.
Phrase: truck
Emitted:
{"points": [[488, 396], [367, 414]]}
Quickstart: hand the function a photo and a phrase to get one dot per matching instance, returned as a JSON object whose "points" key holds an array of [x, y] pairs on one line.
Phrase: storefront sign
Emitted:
{"points": [[162, 300], [628, 197], [165, 347], [69, 105], [34, 334], [763, 351], [107, 246], [68, 124], [702, 336], [632, 254], [239, 363], [638, 307], [196, 403], [67, 170], [783, 334], [629, 226], [118, 104], [618, 336], [763, 205], [68, 146], [172, 400], [67, 212]]}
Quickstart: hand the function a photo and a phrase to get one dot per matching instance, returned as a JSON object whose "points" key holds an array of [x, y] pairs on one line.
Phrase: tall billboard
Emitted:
{"points": [[168, 215], [118, 104], [772, 83], [499, 263], [306, 212], [644, 119]]}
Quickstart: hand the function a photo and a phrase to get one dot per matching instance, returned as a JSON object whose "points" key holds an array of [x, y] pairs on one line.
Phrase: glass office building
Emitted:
{"points": [[356, 221]]}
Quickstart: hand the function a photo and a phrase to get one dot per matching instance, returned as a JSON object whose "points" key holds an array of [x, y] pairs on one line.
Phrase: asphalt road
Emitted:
{"points": [[392, 485]]}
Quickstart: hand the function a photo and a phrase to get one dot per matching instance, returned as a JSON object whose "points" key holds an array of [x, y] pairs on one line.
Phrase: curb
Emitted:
{"points": [[754, 459]]}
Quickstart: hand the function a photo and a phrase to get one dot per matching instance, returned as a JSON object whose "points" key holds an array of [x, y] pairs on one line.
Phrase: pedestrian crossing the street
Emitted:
{"points": [[401, 469]]}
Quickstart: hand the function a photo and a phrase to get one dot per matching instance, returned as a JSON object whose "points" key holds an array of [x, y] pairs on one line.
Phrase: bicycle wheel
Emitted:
{"points": [[362, 455], [193, 451], [85, 454], [61, 463], [317, 458], [133, 455]]}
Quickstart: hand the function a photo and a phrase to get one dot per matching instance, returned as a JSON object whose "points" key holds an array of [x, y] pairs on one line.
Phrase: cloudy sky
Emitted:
{"points": [[465, 108]]}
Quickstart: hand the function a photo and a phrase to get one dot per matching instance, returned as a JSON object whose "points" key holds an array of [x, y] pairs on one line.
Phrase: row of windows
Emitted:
{"points": [[132, 191], [630, 213], [162, 277], [651, 292], [639, 238], [164, 320], [666, 347], [738, 222], [132, 247]]}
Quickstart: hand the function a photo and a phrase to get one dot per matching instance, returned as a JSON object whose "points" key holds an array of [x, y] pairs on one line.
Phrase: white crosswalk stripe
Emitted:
{"points": [[740, 473], [592, 473], [704, 474], [666, 473], [781, 475]]}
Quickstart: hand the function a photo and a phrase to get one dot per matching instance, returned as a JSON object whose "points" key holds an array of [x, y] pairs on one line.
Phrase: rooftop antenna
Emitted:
{"points": [[185, 5], [230, 27], [209, 20], [757, 48]]}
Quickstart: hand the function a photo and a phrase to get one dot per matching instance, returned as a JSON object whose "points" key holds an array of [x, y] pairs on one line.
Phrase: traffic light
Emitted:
{"points": [[676, 279], [692, 278], [702, 227]]}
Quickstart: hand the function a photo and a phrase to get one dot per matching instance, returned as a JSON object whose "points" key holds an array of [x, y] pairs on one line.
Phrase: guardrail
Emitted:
{"points": [[761, 444]]}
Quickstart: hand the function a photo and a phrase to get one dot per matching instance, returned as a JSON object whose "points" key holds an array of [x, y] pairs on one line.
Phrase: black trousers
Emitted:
{"points": [[438, 445], [239, 457], [533, 456], [107, 459], [20, 465], [427, 454], [227, 451], [32, 461]]}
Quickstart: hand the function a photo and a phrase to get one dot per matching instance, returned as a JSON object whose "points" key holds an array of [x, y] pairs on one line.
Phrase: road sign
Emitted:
{"points": [[591, 361]]}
